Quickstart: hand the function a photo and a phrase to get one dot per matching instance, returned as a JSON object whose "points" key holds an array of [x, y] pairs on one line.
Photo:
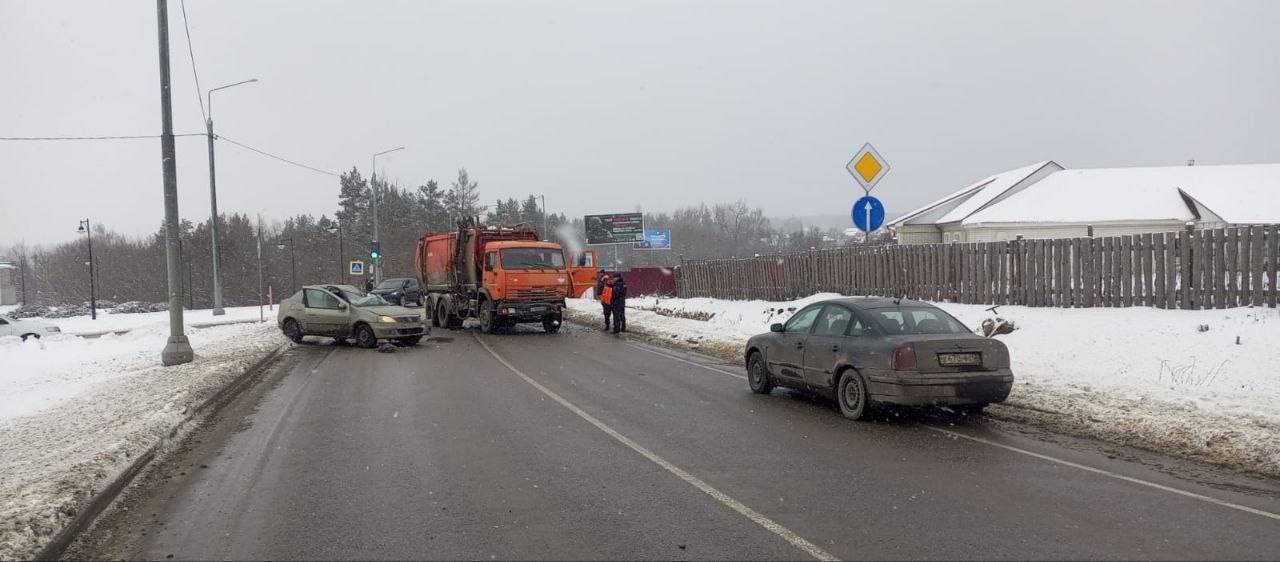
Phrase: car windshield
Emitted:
{"points": [[391, 284], [532, 258], [916, 320], [357, 299]]}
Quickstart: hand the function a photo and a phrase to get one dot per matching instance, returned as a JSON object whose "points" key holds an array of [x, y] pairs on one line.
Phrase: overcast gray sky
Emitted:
{"points": [[604, 106]]}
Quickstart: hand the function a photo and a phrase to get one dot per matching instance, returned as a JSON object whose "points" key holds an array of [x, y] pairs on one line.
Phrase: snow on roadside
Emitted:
{"points": [[1136, 376], [111, 322], [75, 412]]}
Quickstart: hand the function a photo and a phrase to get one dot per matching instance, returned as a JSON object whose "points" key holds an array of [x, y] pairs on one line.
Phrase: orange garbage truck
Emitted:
{"points": [[500, 276]]}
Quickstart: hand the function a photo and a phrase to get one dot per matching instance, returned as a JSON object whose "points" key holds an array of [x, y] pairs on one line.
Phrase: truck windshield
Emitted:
{"points": [[532, 258]]}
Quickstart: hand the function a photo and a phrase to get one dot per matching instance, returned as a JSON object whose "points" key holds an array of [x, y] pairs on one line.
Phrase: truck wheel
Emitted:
{"points": [[435, 316], [551, 324], [487, 321]]}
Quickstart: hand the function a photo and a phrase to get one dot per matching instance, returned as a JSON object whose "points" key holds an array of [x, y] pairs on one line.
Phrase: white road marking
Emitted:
{"points": [[786, 534], [709, 367], [1040, 456], [1110, 474]]}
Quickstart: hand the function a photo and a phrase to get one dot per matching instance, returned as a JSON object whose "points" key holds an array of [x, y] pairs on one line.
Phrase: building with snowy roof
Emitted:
{"points": [[1045, 200]]}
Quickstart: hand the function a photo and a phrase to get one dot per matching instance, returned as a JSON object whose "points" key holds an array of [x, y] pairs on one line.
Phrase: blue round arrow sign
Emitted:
{"points": [[860, 213]]}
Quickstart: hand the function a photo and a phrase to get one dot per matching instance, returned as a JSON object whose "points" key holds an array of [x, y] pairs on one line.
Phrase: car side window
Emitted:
{"points": [[858, 328], [315, 298], [833, 322], [803, 320]]}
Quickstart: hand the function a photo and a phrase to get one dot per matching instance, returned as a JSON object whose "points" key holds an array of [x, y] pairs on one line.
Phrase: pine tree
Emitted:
{"points": [[463, 198]]}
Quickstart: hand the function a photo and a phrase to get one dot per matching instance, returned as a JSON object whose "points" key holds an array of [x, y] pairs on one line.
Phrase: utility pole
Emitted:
{"points": [[178, 349], [261, 316], [373, 189], [213, 201]]}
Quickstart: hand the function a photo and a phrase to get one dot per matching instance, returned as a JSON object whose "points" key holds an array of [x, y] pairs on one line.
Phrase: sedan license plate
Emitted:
{"points": [[538, 308], [959, 359]]}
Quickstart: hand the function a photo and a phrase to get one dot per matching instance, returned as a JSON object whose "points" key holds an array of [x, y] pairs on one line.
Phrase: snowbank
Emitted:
{"points": [[1138, 376], [109, 322], [75, 412]]}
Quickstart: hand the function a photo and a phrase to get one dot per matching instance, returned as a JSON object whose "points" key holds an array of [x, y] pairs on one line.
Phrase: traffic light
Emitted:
{"points": [[375, 251]]}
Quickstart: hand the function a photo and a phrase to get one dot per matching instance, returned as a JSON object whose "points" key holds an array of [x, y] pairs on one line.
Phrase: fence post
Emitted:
{"points": [[1255, 259], [1274, 269]]}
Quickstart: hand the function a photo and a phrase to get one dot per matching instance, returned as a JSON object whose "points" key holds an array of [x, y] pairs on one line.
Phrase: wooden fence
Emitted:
{"points": [[1193, 269]]}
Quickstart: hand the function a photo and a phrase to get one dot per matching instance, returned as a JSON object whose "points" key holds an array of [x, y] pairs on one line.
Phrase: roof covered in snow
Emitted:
{"points": [[975, 196], [1236, 193]]}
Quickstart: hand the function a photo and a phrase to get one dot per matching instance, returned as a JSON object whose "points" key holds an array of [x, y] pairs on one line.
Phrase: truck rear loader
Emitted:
{"points": [[500, 276]]}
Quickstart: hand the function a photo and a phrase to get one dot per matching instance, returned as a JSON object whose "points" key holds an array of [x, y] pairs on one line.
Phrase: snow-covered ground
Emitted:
{"points": [[1139, 376], [108, 322], [75, 412]]}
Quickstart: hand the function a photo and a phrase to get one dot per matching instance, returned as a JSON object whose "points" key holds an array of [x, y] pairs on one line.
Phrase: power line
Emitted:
{"points": [[106, 137], [280, 158], [191, 53]]}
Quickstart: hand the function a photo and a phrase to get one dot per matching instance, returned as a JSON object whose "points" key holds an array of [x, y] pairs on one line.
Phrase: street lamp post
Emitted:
{"points": [[213, 200], [545, 235], [87, 230], [293, 264], [342, 269], [373, 188]]}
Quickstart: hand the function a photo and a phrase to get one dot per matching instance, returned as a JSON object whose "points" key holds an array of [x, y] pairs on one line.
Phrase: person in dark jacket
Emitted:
{"points": [[618, 301], [604, 291], [368, 285]]}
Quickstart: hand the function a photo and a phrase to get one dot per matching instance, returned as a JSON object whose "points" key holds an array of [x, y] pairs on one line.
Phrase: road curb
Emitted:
{"points": [[85, 518]]}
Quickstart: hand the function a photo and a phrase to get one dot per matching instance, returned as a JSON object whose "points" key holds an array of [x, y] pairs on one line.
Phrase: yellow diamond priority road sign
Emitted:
{"points": [[868, 167]]}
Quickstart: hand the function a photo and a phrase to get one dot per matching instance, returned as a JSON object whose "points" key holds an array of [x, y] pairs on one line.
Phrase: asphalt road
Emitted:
{"points": [[580, 445]]}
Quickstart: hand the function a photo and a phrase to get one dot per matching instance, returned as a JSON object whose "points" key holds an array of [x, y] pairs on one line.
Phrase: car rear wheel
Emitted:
{"points": [[851, 393], [292, 330], [758, 375], [365, 337]]}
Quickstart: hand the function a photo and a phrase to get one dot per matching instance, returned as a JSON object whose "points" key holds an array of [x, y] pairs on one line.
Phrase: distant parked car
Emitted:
{"points": [[342, 311], [400, 290], [864, 352], [26, 328]]}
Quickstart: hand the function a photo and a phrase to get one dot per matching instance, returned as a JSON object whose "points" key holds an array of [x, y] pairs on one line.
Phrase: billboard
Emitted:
{"points": [[655, 239], [622, 228]]}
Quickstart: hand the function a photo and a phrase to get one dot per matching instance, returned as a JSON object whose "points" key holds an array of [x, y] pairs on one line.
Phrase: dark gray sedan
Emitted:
{"points": [[864, 352]]}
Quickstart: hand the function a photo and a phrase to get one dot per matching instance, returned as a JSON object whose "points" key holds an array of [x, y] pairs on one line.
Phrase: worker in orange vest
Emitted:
{"points": [[606, 298]]}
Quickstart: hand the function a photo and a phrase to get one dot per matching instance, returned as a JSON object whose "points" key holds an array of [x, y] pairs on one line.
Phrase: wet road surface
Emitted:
{"points": [[580, 445]]}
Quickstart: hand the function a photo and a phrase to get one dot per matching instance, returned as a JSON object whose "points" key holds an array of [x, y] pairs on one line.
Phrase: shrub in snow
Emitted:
{"points": [[135, 307]]}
